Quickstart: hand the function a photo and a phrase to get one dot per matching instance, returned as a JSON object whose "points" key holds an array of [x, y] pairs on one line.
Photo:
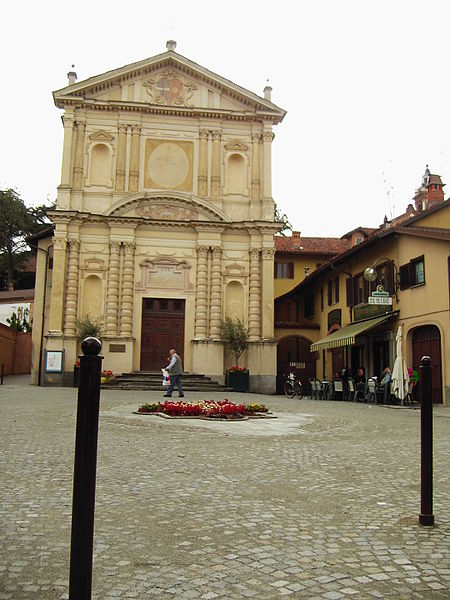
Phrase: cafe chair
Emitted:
{"points": [[371, 391], [352, 391], [338, 388]]}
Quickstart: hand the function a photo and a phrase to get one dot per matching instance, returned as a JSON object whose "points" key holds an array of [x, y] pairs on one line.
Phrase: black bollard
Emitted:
{"points": [[82, 543], [426, 516]]}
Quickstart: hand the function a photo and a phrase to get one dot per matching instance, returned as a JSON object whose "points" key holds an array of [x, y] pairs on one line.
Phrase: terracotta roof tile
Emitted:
{"points": [[311, 245]]}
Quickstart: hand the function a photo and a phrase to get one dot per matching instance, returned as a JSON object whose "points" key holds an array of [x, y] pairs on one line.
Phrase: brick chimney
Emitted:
{"points": [[430, 193], [296, 235]]}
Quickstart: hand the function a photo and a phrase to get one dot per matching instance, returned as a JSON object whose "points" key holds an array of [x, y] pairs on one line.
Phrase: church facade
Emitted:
{"points": [[164, 222]]}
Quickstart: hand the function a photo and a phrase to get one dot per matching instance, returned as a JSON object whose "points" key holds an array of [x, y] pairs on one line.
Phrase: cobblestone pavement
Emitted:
{"points": [[320, 503]]}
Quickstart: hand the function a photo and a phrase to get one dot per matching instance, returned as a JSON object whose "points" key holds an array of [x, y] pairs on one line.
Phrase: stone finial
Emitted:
{"points": [[72, 76], [171, 45], [268, 93]]}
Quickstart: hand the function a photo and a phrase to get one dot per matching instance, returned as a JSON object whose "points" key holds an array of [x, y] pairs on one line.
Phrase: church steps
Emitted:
{"points": [[151, 381]]}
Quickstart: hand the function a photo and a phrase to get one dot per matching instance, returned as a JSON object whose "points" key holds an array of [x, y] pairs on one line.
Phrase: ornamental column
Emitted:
{"points": [[256, 181], [70, 312], [55, 322], [68, 121], [202, 163], [215, 165], [268, 137], [112, 294], [126, 306], [254, 304], [79, 156], [215, 317], [267, 293], [121, 157], [201, 316], [133, 178]]}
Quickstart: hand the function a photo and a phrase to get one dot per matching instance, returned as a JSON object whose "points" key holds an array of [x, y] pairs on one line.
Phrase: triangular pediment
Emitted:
{"points": [[168, 80]]}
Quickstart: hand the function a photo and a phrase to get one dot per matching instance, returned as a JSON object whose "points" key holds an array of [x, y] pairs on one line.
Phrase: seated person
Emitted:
{"points": [[386, 376]]}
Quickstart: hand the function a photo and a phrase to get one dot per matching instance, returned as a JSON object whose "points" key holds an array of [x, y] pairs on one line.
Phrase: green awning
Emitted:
{"points": [[346, 335]]}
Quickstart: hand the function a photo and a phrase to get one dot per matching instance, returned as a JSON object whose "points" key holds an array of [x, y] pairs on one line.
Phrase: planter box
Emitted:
{"points": [[238, 381]]}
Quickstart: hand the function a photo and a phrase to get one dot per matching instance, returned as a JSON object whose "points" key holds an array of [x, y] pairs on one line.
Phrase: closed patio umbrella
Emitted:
{"points": [[399, 381]]}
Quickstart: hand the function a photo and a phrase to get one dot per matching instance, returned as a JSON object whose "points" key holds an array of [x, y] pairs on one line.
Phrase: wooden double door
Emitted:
{"points": [[162, 329], [426, 341]]}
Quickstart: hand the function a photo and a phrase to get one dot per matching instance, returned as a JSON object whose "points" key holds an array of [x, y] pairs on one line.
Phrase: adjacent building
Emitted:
{"points": [[339, 328]]}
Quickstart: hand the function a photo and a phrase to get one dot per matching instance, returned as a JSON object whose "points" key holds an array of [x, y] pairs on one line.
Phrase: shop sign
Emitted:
{"points": [[367, 311], [381, 300]]}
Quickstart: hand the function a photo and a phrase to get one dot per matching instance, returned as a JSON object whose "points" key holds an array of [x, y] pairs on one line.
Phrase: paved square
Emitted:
{"points": [[320, 503]]}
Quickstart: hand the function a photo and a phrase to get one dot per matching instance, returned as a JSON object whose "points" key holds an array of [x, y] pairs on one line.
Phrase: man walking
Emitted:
{"points": [[175, 369]]}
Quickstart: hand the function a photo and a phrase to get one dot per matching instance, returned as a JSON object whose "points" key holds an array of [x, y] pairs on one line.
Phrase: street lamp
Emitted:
{"points": [[371, 274]]}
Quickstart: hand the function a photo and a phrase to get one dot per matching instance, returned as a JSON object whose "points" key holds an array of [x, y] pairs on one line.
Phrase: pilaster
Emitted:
{"points": [[267, 293], [256, 180], [216, 294], [112, 294], [201, 309], [55, 322], [68, 121], [79, 156], [216, 187], [254, 304], [121, 157], [126, 308], [133, 181], [202, 164], [71, 305]]}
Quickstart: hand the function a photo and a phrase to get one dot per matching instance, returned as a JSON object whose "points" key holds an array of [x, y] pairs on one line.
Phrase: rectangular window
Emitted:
{"points": [[330, 293], [336, 289], [412, 273], [418, 272], [284, 270], [321, 298], [309, 306]]}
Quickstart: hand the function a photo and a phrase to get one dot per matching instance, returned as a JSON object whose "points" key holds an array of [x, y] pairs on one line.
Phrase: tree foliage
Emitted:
{"points": [[18, 324], [235, 336], [280, 217], [16, 223]]}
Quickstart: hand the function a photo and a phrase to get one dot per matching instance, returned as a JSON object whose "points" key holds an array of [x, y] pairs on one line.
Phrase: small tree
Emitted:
{"points": [[282, 218], [19, 324], [86, 327], [235, 336]]}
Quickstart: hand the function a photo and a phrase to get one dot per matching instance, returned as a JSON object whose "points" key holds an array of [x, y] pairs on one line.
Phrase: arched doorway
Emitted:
{"points": [[426, 341], [293, 355]]}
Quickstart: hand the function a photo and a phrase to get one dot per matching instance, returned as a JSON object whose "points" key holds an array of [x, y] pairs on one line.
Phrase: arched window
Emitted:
{"points": [[100, 167]]}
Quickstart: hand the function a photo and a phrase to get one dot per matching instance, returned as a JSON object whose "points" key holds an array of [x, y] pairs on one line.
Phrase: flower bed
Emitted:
{"points": [[220, 409], [106, 376]]}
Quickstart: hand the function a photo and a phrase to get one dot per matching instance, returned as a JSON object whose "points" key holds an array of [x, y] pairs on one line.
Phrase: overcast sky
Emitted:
{"points": [[365, 84]]}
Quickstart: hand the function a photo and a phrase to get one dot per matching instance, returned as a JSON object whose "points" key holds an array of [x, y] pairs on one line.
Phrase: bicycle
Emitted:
{"points": [[292, 386]]}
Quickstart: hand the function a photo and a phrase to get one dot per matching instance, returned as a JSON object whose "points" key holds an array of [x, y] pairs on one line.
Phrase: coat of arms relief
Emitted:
{"points": [[170, 89]]}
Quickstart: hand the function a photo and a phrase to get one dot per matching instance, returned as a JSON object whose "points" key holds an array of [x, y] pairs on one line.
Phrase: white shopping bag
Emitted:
{"points": [[166, 377]]}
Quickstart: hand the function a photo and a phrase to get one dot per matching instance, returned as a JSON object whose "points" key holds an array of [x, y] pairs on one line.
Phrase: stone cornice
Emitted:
{"points": [[71, 217], [145, 108]]}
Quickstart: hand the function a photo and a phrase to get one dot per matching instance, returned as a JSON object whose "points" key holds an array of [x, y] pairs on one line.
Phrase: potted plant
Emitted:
{"points": [[235, 336], [86, 327]]}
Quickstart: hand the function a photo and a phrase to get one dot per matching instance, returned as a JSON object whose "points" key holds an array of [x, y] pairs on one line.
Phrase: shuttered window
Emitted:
{"points": [[284, 270]]}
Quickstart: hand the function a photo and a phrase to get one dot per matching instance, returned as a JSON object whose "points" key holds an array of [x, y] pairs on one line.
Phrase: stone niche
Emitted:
{"points": [[165, 273], [169, 165]]}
